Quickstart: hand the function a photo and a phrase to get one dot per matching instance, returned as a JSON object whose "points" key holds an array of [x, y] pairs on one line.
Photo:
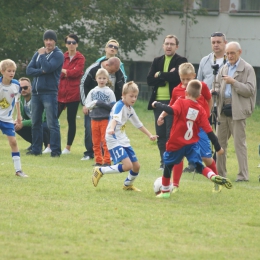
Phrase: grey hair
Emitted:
{"points": [[238, 46]]}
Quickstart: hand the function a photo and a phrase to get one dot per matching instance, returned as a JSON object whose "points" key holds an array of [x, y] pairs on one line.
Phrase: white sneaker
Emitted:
{"points": [[66, 151], [85, 158], [47, 150]]}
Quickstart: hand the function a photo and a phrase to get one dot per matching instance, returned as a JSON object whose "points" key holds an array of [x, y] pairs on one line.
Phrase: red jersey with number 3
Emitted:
{"points": [[204, 98], [189, 116]]}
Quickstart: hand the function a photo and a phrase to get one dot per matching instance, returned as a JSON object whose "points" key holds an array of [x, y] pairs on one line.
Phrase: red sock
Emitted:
{"points": [[213, 167], [208, 173], [165, 184], [176, 173]]}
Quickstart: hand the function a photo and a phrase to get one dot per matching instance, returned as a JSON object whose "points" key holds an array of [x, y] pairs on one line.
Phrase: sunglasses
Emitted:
{"points": [[24, 88], [71, 42], [217, 34], [112, 46]]}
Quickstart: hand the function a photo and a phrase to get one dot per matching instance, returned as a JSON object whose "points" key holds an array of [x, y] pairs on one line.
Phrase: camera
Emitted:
{"points": [[215, 68]]}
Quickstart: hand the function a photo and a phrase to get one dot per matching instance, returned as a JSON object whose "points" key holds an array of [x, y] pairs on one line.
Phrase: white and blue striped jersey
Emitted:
{"points": [[9, 95], [121, 113]]}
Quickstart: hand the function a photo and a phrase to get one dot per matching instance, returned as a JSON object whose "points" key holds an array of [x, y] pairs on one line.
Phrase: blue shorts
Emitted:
{"points": [[7, 128], [204, 144], [191, 152], [119, 153]]}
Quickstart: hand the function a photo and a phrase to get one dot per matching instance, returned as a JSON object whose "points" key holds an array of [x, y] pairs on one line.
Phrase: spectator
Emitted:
{"points": [[68, 94], [163, 76], [88, 82], [111, 50], [45, 67], [236, 102], [24, 129], [217, 57]]}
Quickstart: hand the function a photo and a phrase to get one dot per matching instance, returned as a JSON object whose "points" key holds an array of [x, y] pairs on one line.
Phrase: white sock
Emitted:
{"points": [[112, 169], [17, 163], [130, 178]]}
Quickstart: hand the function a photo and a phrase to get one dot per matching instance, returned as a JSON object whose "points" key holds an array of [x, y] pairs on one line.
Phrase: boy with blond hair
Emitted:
{"points": [[189, 117], [117, 141], [10, 97]]}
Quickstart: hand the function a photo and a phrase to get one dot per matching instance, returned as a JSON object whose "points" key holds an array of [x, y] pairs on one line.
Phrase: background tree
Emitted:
{"points": [[131, 22]]}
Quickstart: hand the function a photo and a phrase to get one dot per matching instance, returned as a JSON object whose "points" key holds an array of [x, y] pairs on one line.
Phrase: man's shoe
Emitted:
{"points": [[55, 155], [175, 189], [85, 158], [21, 174], [47, 150], [222, 181], [29, 148], [97, 174], [188, 169], [66, 151], [216, 188], [130, 187], [238, 180], [164, 195], [32, 153], [161, 168]]}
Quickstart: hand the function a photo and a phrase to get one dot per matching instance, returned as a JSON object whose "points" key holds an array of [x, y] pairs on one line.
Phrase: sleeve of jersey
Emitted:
{"points": [[214, 141], [164, 107], [117, 111], [205, 91]]}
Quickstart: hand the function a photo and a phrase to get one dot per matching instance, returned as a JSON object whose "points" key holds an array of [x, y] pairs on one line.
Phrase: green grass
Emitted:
{"points": [[57, 213]]}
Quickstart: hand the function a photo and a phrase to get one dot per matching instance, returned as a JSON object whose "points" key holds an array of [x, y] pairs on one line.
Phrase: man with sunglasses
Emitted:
{"points": [[88, 82], [24, 129], [111, 50]]}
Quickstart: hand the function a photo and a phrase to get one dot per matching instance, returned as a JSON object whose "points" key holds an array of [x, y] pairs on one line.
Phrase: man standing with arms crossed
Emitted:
{"points": [[164, 76], [45, 67]]}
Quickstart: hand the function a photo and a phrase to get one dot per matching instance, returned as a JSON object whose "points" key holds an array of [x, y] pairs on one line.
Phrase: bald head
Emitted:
{"points": [[112, 65]]}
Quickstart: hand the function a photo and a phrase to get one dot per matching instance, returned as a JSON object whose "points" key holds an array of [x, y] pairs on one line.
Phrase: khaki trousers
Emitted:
{"points": [[236, 128]]}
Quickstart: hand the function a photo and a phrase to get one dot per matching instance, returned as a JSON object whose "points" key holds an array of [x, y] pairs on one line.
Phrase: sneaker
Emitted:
{"points": [[29, 148], [66, 151], [47, 150], [188, 169], [161, 168], [216, 188], [55, 155], [164, 195], [85, 158], [97, 164], [32, 153], [97, 174], [175, 189], [130, 187], [258, 166], [222, 181], [21, 174]]}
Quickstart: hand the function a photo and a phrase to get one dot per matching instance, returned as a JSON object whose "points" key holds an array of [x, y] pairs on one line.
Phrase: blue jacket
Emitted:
{"points": [[46, 70]]}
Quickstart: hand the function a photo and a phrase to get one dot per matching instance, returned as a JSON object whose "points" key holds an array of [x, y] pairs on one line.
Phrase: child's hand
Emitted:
{"points": [[221, 151], [153, 137], [111, 131], [160, 121], [154, 103]]}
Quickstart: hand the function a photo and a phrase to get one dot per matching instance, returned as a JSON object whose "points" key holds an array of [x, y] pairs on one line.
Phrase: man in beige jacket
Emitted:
{"points": [[236, 101]]}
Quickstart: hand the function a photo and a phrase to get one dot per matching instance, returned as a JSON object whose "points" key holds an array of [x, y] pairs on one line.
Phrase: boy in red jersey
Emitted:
{"points": [[189, 117], [187, 73]]}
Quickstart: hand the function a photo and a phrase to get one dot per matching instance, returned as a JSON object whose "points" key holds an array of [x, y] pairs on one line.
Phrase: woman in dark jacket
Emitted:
{"points": [[68, 95]]}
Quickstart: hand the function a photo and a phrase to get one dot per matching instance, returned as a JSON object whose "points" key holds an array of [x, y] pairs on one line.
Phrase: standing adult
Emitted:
{"points": [[111, 50], [88, 82], [68, 94], [163, 76], [236, 102], [24, 128], [45, 67], [216, 57]]}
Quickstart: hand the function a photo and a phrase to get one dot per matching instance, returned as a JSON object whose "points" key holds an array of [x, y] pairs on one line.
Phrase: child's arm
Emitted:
{"points": [[145, 131], [214, 141], [166, 108], [19, 117], [161, 117], [111, 129]]}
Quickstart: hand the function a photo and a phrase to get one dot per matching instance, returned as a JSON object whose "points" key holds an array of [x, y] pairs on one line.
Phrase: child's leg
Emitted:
{"points": [[96, 139], [176, 173], [210, 163], [166, 177], [103, 127], [15, 153]]}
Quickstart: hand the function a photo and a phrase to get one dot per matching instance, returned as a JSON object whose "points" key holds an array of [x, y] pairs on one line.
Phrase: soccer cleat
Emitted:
{"points": [[222, 181], [216, 188], [164, 195], [97, 174], [175, 189], [130, 187], [21, 174]]}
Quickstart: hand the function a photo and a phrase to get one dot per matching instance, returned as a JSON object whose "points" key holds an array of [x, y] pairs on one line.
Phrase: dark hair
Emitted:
{"points": [[73, 36]]}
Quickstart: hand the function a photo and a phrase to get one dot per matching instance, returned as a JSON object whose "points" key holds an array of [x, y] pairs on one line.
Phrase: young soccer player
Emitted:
{"points": [[118, 142], [10, 97], [187, 73], [99, 101], [189, 116]]}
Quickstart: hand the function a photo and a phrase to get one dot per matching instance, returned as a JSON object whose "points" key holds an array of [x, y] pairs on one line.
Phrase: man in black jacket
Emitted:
{"points": [[164, 76], [88, 82]]}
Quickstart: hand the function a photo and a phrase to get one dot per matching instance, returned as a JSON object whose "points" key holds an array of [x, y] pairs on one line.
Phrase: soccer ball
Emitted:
{"points": [[157, 186]]}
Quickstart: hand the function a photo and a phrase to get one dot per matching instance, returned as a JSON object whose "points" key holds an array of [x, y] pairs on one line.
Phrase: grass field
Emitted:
{"points": [[57, 213]]}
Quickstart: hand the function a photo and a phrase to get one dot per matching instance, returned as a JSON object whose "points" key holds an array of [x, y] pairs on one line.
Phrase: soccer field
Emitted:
{"points": [[57, 213]]}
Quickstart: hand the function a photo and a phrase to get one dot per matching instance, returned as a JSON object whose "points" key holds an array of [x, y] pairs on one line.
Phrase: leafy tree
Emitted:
{"points": [[131, 22]]}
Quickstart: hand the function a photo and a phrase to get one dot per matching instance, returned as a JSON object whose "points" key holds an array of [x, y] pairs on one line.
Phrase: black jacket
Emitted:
{"points": [[172, 77]]}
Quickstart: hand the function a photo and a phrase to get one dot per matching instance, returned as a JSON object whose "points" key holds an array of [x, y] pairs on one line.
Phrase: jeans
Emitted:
{"points": [[50, 104], [88, 137]]}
